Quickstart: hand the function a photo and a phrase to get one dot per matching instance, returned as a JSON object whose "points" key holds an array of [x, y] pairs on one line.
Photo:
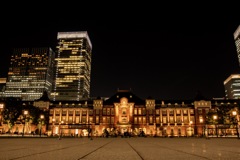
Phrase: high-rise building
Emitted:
{"points": [[73, 66], [237, 42], [232, 86], [30, 73], [2, 86]]}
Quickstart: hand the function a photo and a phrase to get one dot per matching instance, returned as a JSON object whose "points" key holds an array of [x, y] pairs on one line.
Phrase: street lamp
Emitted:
{"points": [[234, 113], [41, 121], [191, 128], [25, 113], [1, 115], [53, 121], [60, 132], [201, 121], [215, 118]]}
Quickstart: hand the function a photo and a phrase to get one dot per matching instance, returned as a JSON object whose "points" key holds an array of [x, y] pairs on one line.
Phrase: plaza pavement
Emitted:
{"points": [[135, 148]]}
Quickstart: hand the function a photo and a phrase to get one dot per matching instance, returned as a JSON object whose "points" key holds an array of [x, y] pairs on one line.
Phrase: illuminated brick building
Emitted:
{"points": [[124, 111]]}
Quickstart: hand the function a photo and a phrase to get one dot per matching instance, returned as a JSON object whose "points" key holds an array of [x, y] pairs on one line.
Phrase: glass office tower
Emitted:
{"points": [[30, 73], [232, 87], [73, 66], [237, 42]]}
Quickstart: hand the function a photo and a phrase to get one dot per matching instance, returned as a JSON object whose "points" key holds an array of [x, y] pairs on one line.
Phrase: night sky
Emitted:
{"points": [[159, 54]]}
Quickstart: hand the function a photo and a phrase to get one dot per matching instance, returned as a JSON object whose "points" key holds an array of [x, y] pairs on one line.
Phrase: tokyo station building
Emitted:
{"points": [[124, 111]]}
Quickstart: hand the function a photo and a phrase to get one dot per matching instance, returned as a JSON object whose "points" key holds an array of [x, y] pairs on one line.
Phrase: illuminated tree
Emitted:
{"points": [[11, 112]]}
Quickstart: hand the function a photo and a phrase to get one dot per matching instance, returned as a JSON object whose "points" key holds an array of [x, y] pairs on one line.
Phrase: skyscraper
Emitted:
{"points": [[237, 42], [2, 86], [232, 87], [232, 83], [73, 66], [30, 73]]}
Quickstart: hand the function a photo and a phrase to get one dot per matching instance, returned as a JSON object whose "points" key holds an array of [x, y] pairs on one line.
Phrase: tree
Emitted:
{"points": [[223, 113], [11, 112], [34, 116], [209, 117], [212, 119]]}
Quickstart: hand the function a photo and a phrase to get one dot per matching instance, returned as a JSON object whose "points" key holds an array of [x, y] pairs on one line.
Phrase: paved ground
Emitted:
{"points": [[119, 148]]}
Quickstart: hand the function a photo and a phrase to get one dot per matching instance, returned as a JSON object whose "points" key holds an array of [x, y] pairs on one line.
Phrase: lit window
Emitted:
{"points": [[199, 111], [150, 119], [157, 120], [178, 111], [112, 111], [135, 110], [164, 112], [185, 111], [135, 120], [144, 119], [139, 119], [139, 111], [164, 119], [97, 119], [108, 111]]}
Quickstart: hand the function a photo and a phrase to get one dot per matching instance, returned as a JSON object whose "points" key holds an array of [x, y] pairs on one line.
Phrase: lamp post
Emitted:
{"points": [[214, 120], [41, 121], [236, 121], [60, 132], [1, 116], [90, 131], [25, 113], [201, 122], [191, 128], [53, 121]]}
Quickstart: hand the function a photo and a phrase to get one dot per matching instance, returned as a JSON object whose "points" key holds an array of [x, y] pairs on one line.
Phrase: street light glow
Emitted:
{"points": [[25, 112], [42, 116], [215, 117], [234, 113]]}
